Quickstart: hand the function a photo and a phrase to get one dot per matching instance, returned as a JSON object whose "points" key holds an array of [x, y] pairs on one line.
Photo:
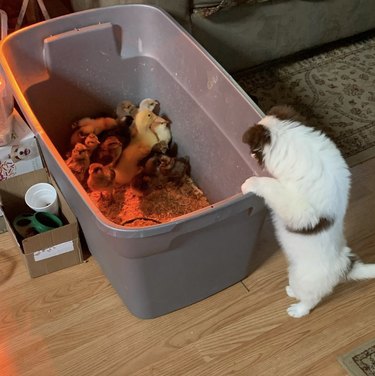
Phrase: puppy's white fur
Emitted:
{"points": [[310, 182]]}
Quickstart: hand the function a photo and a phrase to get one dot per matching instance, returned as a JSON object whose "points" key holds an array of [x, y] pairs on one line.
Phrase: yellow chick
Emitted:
{"points": [[143, 139], [127, 166], [79, 161], [87, 125], [142, 131], [101, 178]]}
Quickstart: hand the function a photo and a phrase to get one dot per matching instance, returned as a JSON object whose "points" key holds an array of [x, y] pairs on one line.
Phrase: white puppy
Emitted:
{"points": [[308, 196]]}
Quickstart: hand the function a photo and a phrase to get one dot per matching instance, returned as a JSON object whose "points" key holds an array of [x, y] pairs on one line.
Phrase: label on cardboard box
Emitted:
{"points": [[21, 155], [56, 250]]}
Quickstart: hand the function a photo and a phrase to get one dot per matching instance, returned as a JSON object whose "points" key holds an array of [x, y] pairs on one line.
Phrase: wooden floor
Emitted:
{"points": [[72, 322]]}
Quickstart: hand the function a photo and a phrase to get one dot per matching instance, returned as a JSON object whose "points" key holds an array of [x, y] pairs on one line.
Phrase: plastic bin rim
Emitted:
{"points": [[186, 223], [93, 10], [106, 225]]}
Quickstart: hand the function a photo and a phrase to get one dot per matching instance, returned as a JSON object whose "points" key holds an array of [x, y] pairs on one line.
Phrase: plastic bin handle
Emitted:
{"points": [[253, 205]]}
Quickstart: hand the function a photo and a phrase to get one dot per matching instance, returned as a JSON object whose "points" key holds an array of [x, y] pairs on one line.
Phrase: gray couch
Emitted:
{"points": [[244, 33]]}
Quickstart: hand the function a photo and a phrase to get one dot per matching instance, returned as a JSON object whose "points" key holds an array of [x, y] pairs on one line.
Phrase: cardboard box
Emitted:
{"points": [[49, 251], [20, 156]]}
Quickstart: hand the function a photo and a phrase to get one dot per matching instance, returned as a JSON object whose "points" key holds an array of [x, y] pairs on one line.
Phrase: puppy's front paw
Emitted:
{"points": [[298, 310], [250, 185]]}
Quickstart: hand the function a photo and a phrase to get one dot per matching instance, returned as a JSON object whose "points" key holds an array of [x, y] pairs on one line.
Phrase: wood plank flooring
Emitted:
{"points": [[73, 323]]}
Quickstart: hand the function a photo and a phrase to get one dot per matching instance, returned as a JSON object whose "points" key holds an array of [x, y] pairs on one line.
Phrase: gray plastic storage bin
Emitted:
{"points": [[84, 64]]}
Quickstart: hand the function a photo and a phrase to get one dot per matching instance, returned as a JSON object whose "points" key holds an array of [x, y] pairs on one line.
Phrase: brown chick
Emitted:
{"points": [[110, 150], [121, 131], [175, 169], [79, 161], [161, 169], [91, 142], [152, 165], [101, 179], [148, 177], [87, 125], [126, 108]]}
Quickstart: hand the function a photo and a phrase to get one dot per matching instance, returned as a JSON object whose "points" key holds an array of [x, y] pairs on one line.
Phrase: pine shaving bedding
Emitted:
{"points": [[131, 208], [130, 168]]}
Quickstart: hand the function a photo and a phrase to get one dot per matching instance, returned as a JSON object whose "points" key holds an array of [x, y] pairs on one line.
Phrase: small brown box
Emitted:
{"points": [[49, 251]]}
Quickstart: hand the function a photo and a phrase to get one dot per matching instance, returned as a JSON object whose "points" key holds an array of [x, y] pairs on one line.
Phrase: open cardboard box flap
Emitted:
{"points": [[45, 252]]}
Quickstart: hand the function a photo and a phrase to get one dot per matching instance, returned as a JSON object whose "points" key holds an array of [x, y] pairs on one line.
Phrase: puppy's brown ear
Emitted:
{"points": [[257, 137], [286, 112]]}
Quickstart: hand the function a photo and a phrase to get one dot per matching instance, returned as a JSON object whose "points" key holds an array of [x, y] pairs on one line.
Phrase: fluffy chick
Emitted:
{"points": [[148, 176], [148, 104], [163, 134], [121, 131], [110, 150], [152, 164], [127, 167], [79, 161], [101, 179], [174, 169], [126, 108], [161, 169], [142, 132], [91, 142], [87, 125], [162, 130]]}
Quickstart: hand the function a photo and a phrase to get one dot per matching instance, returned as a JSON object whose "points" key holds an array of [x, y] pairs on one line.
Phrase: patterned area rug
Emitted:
{"points": [[361, 361], [334, 89]]}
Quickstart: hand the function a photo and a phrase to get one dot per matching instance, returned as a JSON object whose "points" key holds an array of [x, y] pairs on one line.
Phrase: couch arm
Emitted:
{"points": [[178, 9]]}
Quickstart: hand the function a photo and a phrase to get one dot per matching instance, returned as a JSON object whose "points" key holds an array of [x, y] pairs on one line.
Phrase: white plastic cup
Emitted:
{"points": [[42, 197]]}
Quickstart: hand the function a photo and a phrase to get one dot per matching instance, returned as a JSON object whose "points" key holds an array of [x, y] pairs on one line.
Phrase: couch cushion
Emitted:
{"points": [[247, 35], [206, 8]]}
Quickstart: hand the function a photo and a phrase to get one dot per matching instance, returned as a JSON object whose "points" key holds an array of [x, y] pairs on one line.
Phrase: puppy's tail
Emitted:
{"points": [[358, 270]]}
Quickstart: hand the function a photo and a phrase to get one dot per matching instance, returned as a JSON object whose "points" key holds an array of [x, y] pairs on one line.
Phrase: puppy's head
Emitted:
{"points": [[257, 137]]}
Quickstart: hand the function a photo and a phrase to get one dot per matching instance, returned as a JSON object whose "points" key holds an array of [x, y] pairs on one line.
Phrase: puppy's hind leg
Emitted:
{"points": [[308, 290]]}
